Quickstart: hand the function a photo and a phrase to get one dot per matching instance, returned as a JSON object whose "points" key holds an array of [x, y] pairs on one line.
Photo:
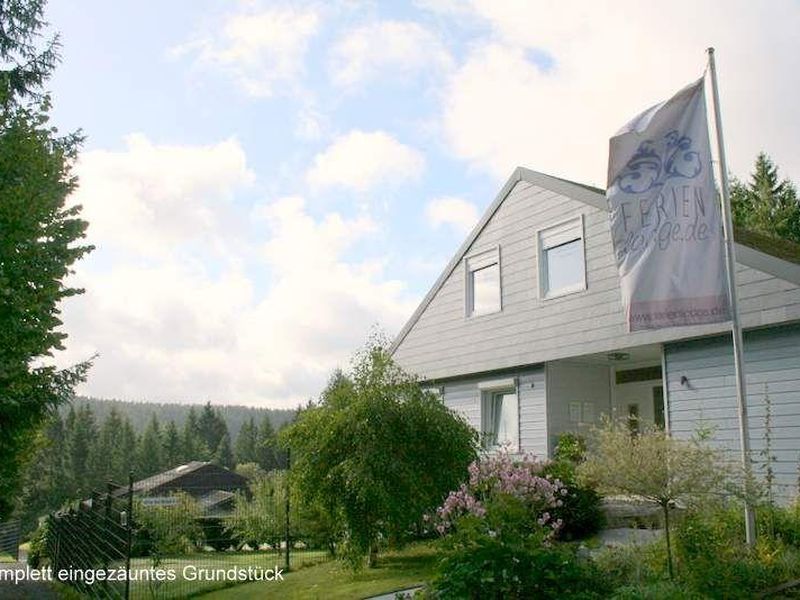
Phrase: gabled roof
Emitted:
{"points": [[145, 485], [776, 257]]}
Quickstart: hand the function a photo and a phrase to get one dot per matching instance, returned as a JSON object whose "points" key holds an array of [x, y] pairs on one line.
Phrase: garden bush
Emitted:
{"points": [[581, 513], [634, 565], [658, 590], [504, 555], [781, 522], [168, 530], [38, 545], [502, 477], [499, 530], [715, 560]]}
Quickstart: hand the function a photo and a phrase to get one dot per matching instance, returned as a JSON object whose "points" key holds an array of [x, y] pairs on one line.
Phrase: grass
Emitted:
{"points": [[333, 580], [182, 588], [6, 558]]}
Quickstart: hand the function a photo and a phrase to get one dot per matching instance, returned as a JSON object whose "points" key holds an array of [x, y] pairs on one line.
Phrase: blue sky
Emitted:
{"points": [[265, 181]]}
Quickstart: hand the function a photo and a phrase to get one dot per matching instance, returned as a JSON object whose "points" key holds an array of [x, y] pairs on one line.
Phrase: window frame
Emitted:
{"points": [[476, 262], [542, 247], [488, 391]]}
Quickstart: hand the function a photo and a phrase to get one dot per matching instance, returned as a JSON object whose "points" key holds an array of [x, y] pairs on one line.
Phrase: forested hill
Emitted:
{"points": [[139, 414]]}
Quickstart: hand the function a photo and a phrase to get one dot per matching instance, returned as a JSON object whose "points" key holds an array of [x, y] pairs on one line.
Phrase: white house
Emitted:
{"points": [[524, 333]]}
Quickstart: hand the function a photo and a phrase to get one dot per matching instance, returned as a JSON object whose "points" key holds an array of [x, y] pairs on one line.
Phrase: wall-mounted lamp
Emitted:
{"points": [[684, 380]]}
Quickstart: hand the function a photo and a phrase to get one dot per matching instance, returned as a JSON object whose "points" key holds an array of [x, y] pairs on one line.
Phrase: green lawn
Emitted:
{"points": [[395, 571], [210, 560]]}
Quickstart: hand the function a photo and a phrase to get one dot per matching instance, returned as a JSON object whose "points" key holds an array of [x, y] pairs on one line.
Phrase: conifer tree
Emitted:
{"points": [[223, 456], [150, 457], [190, 438], [129, 444], [109, 458], [81, 436], [211, 427], [767, 204], [172, 452], [247, 442], [266, 446]]}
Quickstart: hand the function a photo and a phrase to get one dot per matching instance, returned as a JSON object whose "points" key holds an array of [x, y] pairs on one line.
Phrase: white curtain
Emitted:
{"points": [[504, 420]]}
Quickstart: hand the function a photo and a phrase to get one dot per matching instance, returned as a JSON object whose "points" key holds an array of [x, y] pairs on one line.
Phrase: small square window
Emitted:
{"points": [[483, 283], [562, 267], [500, 420]]}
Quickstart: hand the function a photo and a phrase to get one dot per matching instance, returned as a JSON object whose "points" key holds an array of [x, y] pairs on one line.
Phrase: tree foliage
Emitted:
{"points": [[79, 453], [652, 466], [39, 239], [170, 529], [766, 203], [377, 452], [259, 517]]}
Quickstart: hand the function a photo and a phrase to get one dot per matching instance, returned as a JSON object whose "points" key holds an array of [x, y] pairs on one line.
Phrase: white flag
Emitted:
{"points": [[665, 218]]}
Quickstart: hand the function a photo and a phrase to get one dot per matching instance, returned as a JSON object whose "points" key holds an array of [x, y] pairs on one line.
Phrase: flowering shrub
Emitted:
{"points": [[501, 475], [501, 526]]}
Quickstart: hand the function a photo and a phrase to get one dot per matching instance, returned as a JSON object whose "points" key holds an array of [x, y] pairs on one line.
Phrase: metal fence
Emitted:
{"points": [[169, 538], [93, 536], [9, 538]]}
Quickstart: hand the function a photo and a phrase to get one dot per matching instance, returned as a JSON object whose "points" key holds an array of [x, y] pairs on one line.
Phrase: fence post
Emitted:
{"points": [[286, 492], [55, 528], [129, 538]]}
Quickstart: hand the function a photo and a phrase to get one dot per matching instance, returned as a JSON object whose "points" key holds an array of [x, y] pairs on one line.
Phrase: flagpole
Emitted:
{"points": [[736, 327]]}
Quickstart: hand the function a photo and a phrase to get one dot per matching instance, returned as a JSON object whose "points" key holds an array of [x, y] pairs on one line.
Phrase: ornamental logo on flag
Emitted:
{"points": [[665, 218]]}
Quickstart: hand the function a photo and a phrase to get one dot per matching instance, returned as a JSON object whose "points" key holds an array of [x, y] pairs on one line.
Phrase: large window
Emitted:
{"points": [[483, 283], [562, 268], [500, 417]]}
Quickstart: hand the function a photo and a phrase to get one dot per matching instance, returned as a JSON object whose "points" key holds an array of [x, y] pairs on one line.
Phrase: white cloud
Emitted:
{"points": [[208, 323], [263, 51], [612, 60], [386, 49], [311, 124], [454, 212], [360, 160], [147, 198]]}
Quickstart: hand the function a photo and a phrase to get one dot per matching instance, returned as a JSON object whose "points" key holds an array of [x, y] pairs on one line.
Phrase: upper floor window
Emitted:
{"points": [[562, 266], [483, 283]]}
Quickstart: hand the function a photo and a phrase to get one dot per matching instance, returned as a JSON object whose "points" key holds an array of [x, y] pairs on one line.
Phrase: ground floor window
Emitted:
{"points": [[500, 417]]}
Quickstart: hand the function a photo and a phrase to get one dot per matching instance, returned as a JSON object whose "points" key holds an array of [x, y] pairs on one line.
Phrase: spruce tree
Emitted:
{"points": [[150, 456], [247, 443], [767, 204], [81, 436], [211, 427], [108, 451], [193, 447], [223, 456], [129, 445], [172, 452], [266, 446]]}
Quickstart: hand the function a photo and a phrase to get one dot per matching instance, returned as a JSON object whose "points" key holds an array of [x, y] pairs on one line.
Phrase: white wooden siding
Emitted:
{"points": [[570, 382], [442, 343], [772, 366], [464, 396]]}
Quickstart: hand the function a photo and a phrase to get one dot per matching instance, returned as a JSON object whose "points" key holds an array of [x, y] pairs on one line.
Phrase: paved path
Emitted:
{"points": [[624, 536], [27, 590], [408, 593]]}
